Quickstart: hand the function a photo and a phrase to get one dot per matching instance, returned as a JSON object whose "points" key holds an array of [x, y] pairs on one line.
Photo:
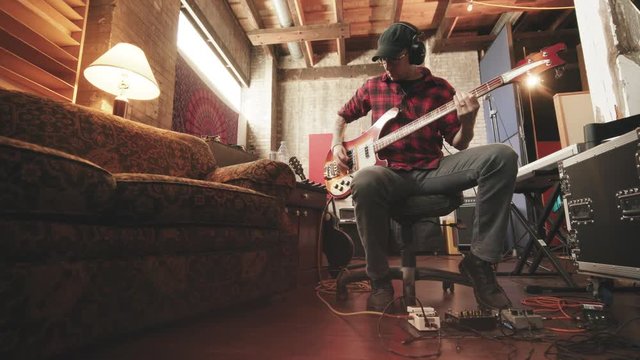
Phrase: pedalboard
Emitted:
{"points": [[479, 320], [423, 319], [522, 319]]}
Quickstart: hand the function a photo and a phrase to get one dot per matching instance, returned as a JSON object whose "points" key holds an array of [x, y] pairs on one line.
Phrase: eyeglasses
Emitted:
{"points": [[391, 59]]}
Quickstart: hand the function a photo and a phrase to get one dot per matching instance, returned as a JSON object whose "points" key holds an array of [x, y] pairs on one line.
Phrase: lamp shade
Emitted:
{"points": [[124, 70]]}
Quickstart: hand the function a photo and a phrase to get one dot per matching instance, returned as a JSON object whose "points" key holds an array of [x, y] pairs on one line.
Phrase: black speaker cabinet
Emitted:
{"points": [[465, 215], [349, 227]]}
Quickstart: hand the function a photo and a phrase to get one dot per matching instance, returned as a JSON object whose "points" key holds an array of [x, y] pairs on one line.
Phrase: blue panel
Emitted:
{"points": [[500, 106], [501, 116]]}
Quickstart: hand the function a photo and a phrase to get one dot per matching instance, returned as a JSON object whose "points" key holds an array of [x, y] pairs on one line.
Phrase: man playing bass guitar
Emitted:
{"points": [[416, 164]]}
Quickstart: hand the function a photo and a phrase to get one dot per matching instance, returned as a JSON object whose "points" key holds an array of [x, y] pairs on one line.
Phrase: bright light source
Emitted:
{"points": [[469, 5], [532, 80], [195, 48]]}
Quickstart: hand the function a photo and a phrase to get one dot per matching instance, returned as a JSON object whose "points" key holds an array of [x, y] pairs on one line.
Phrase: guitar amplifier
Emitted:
{"points": [[601, 188], [465, 215], [347, 213]]}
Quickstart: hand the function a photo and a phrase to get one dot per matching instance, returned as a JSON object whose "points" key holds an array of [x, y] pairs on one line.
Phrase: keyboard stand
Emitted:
{"points": [[537, 242], [533, 180]]}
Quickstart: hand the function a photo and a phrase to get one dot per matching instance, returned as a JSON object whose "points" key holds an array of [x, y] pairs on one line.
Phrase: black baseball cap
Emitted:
{"points": [[396, 38]]}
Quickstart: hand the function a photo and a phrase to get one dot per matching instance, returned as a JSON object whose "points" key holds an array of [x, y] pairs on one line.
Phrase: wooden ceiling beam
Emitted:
{"points": [[445, 25], [299, 33], [396, 10], [464, 43], [473, 42], [506, 18], [560, 20], [440, 13], [459, 8], [443, 33], [527, 20], [298, 19], [256, 22], [340, 44]]}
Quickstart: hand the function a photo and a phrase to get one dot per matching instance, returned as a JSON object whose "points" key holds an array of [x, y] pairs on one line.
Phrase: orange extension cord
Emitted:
{"points": [[557, 308]]}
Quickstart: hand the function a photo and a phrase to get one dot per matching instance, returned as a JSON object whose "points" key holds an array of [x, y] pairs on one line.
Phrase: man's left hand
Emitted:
{"points": [[467, 107]]}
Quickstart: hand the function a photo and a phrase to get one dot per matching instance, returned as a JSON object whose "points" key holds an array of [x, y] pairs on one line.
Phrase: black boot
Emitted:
{"points": [[489, 294], [381, 295]]}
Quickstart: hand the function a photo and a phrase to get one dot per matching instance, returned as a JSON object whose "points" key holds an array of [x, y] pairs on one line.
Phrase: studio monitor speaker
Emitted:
{"points": [[465, 216]]}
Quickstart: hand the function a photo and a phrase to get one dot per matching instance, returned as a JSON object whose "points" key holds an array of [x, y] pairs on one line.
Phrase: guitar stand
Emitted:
{"points": [[540, 244]]}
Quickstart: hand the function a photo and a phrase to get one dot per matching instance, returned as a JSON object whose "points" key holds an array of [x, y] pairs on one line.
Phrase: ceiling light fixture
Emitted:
{"points": [[469, 5]]}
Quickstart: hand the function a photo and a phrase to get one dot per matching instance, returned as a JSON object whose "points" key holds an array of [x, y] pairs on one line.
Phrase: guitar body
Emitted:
{"points": [[362, 153]]}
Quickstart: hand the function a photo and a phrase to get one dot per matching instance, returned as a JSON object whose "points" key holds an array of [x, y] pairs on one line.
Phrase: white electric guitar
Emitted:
{"points": [[363, 150]]}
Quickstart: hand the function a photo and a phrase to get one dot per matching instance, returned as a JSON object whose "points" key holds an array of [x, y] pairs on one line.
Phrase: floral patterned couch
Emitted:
{"points": [[108, 226]]}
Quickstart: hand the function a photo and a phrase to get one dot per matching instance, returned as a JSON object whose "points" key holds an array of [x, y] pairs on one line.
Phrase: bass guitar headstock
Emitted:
{"points": [[536, 63], [297, 168]]}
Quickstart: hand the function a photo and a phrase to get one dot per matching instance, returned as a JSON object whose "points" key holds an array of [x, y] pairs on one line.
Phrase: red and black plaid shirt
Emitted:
{"points": [[423, 148]]}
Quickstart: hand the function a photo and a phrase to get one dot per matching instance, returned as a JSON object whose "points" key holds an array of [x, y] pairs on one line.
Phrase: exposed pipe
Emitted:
{"points": [[284, 16]]}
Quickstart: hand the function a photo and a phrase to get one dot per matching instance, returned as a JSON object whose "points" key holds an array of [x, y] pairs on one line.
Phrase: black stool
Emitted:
{"points": [[407, 214]]}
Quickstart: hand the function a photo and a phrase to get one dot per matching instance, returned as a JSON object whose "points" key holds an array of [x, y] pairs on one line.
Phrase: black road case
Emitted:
{"points": [[601, 188]]}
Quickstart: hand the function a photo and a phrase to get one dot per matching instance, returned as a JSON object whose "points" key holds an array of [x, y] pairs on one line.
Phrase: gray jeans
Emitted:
{"points": [[492, 168]]}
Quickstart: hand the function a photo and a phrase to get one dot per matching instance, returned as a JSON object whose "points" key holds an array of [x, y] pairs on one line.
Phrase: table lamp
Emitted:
{"points": [[125, 72]]}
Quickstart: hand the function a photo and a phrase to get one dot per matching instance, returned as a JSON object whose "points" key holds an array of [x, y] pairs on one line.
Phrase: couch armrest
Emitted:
{"points": [[267, 176]]}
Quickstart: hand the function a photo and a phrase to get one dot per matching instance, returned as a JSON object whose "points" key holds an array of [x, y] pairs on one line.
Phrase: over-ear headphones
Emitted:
{"points": [[417, 50]]}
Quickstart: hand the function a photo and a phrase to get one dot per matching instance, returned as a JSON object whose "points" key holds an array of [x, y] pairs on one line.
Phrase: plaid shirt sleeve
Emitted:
{"points": [[421, 149], [358, 106], [449, 125]]}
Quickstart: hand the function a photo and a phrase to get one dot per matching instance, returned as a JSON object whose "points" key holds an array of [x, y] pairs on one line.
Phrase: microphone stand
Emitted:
{"points": [[493, 115]]}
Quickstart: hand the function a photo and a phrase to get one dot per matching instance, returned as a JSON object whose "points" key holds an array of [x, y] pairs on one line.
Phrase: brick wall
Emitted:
{"points": [[309, 106], [151, 25], [257, 105], [462, 71]]}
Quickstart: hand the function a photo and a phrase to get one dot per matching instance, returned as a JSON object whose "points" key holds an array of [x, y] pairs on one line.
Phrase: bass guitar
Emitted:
{"points": [[336, 244], [362, 151]]}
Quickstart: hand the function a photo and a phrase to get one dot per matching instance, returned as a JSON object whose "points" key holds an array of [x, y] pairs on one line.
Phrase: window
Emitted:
{"points": [[194, 48]]}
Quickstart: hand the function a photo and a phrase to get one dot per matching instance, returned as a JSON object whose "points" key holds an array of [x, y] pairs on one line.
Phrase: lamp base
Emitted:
{"points": [[121, 108]]}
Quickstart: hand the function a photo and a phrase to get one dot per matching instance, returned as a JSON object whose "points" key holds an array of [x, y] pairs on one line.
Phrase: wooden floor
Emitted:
{"points": [[298, 325]]}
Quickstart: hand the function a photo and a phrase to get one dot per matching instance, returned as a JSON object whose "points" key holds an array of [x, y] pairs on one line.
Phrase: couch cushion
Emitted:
{"points": [[267, 176], [114, 143], [167, 200], [35, 180]]}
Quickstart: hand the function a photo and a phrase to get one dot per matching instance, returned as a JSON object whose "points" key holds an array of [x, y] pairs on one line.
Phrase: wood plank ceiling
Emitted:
{"points": [[353, 26]]}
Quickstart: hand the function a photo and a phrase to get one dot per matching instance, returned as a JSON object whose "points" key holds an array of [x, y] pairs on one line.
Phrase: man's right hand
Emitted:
{"points": [[340, 156]]}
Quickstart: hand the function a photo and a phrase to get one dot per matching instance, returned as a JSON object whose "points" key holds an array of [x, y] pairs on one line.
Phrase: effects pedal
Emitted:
{"points": [[522, 319], [595, 317], [479, 320], [417, 318]]}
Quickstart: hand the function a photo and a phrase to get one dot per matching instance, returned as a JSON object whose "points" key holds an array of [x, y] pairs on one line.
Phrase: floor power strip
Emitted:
{"points": [[417, 318]]}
